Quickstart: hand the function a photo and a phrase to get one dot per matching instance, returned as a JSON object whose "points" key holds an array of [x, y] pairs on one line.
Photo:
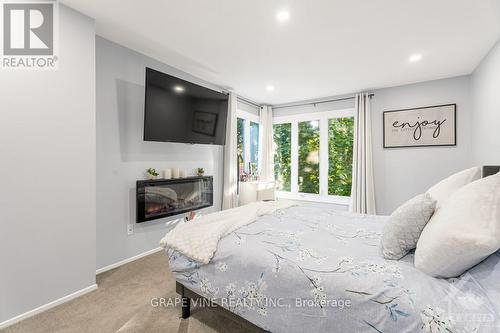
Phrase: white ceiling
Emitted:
{"points": [[326, 48]]}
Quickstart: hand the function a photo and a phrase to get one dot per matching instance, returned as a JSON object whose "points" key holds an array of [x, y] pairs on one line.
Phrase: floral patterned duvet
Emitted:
{"points": [[312, 269]]}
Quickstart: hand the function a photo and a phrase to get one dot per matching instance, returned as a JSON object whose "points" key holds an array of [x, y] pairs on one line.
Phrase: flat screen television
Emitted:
{"points": [[180, 111]]}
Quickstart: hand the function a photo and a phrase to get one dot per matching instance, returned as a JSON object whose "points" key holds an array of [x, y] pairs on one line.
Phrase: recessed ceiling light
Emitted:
{"points": [[178, 89], [282, 16], [415, 57], [270, 88]]}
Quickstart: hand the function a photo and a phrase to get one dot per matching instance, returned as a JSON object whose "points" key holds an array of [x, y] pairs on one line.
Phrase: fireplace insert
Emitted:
{"points": [[166, 197]]}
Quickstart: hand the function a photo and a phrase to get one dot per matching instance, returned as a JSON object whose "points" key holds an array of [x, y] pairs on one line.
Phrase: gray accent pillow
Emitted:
{"points": [[403, 228]]}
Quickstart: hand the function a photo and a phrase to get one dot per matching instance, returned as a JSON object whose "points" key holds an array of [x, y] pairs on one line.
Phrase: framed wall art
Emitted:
{"points": [[421, 127], [205, 123]]}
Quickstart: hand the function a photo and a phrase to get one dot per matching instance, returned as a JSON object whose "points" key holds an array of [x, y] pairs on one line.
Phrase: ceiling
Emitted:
{"points": [[326, 48]]}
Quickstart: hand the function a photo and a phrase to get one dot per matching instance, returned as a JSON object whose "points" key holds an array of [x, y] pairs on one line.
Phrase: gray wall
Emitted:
{"points": [[486, 99], [47, 196], [405, 172], [123, 156]]}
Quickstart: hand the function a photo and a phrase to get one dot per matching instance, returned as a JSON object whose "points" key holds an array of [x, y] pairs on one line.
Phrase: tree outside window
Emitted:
{"points": [[254, 147], [283, 156], [240, 138], [247, 133], [326, 139], [340, 150], [309, 141]]}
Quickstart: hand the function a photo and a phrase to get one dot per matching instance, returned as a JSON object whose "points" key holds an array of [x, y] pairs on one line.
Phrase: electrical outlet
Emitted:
{"points": [[130, 229]]}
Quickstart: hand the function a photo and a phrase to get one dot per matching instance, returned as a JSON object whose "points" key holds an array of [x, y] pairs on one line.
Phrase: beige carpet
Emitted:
{"points": [[122, 303]]}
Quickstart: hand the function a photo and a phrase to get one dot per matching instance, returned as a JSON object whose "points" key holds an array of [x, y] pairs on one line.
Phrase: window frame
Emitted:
{"points": [[249, 117], [323, 118]]}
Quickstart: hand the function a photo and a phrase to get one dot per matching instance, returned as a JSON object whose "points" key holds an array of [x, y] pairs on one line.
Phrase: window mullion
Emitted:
{"points": [[323, 156], [295, 158], [260, 149]]}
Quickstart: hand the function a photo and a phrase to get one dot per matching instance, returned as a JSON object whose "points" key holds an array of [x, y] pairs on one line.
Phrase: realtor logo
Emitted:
{"points": [[29, 32]]}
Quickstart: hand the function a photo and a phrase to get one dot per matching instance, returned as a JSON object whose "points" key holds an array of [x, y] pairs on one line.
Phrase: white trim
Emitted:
{"points": [[338, 200], [47, 306], [126, 261]]}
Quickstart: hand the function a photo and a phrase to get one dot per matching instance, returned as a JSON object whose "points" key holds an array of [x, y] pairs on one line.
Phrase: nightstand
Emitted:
{"points": [[256, 191]]}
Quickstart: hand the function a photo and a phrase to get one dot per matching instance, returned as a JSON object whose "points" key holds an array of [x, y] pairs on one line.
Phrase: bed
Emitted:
{"points": [[309, 268]]}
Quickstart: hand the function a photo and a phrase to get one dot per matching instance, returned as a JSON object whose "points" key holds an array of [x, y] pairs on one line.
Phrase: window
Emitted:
{"points": [[309, 156], [340, 143], [240, 143], [254, 147], [283, 156], [313, 155], [248, 142]]}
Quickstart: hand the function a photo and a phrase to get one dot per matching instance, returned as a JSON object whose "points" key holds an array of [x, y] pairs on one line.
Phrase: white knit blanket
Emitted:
{"points": [[198, 239]]}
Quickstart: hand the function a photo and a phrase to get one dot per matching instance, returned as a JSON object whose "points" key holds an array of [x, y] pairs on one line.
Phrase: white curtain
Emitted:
{"points": [[230, 195], [267, 149], [362, 193]]}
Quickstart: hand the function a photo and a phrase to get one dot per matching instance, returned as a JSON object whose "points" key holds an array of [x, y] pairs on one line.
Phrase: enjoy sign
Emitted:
{"points": [[420, 127]]}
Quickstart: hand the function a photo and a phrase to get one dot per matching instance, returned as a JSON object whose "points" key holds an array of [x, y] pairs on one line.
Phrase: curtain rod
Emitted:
{"points": [[291, 105], [247, 101]]}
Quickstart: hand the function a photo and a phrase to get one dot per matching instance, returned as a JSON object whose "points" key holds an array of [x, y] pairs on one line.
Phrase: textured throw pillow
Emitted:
{"points": [[463, 232], [402, 230], [445, 188]]}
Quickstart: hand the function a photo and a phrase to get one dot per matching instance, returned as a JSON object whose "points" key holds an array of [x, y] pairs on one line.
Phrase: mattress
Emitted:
{"points": [[307, 268]]}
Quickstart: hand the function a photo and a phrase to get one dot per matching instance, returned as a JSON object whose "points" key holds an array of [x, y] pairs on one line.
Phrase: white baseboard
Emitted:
{"points": [[47, 306], [76, 294], [126, 261]]}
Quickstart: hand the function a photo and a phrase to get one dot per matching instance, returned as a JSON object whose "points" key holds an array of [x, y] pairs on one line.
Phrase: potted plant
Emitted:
{"points": [[152, 173], [200, 171]]}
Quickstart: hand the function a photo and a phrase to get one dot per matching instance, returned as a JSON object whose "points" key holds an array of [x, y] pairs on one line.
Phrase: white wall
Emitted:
{"points": [[289, 110], [47, 193], [123, 156], [248, 108], [486, 99], [405, 172]]}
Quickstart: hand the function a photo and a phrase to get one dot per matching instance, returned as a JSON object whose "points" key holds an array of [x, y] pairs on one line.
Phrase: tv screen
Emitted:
{"points": [[180, 111]]}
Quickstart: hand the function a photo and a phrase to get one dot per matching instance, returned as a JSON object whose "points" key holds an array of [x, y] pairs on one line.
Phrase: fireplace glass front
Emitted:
{"points": [[161, 198]]}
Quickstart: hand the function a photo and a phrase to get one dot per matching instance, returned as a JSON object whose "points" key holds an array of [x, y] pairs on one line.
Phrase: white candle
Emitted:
{"points": [[182, 174], [167, 173], [175, 172]]}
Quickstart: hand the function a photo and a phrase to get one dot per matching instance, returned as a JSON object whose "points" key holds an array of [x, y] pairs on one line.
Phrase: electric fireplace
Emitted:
{"points": [[167, 197]]}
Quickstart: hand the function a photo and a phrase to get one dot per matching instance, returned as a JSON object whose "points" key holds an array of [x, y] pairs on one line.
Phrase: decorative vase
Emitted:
{"points": [[175, 172]]}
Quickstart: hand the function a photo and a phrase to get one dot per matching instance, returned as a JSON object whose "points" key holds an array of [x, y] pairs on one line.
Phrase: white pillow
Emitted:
{"points": [[445, 188], [403, 228], [463, 232]]}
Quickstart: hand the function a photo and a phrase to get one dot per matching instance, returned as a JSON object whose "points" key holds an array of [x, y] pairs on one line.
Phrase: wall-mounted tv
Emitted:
{"points": [[180, 111]]}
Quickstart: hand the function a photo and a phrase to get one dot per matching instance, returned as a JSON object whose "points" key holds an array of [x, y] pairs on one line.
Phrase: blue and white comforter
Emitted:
{"points": [[319, 270]]}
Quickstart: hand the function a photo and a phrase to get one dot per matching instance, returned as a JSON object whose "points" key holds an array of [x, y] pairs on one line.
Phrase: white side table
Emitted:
{"points": [[256, 191]]}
